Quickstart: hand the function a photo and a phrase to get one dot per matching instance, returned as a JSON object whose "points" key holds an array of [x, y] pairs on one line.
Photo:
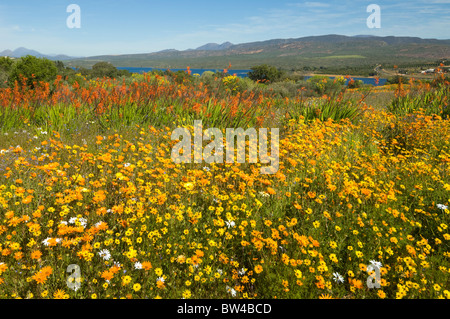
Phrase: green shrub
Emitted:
{"points": [[396, 80], [284, 89], [333, 107], [324, 85], [355, 84], [432, 102], [34, 70], [265, 73]]}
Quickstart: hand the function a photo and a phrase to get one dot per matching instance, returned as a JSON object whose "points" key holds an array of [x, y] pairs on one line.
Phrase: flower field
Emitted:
{"points": [[86, 179]]}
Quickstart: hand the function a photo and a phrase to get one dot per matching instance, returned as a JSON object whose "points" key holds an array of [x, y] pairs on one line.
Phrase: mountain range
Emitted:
{"points": [[21, 52], [326, 51]]}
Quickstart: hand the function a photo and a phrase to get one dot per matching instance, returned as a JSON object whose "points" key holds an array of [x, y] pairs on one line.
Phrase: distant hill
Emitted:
{"points": [[21, 52], [361, 53], [215, 46], [319, 52]]}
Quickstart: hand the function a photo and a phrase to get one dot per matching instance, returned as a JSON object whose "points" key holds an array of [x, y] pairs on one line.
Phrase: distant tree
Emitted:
{"points": [[64, 71], [5, 69], [208, 74], [265, 73], [355, 84], [34, 70], [396, 80], [6, 64], [60, 65], [106, 69], [83, 71]]}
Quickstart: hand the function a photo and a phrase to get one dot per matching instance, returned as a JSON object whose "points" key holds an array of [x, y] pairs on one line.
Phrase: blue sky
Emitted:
{"points": [[137, 26]]}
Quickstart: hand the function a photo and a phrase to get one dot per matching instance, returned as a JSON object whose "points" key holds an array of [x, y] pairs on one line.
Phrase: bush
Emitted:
{"points": [[285, 89], [5, 69], [396, 80], [207, 75], [3, 79], [6, 64], [179, 76], [265, 73], [352, 84], [105, 69], [434, 101], [324, 85], [34, 70], [334, 107]]}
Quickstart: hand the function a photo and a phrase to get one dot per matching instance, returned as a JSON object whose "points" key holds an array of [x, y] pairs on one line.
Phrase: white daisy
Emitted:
{"points": [[241, 272], [83, 221], [160, 279], [105, 254], [231, 291], [230, 223], [376, 264], [98, 224], [137, 265], [338, 278], [46, 241], [441, 206]]}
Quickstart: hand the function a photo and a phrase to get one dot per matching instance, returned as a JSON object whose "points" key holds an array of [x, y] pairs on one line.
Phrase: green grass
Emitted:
{"points": [[350, 56]]}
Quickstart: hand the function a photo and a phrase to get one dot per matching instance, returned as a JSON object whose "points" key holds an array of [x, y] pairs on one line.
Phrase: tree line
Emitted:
{"points": [[30, 70]]}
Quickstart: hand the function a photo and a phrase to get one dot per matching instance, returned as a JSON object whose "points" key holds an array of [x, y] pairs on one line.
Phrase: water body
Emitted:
{"points": [[244, 74], [364, 80]]}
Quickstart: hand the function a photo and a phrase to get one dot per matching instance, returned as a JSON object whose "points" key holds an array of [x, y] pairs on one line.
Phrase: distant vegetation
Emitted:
{"points": [[262, 79], [30, 70], [330, 54], [265, 73]]}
